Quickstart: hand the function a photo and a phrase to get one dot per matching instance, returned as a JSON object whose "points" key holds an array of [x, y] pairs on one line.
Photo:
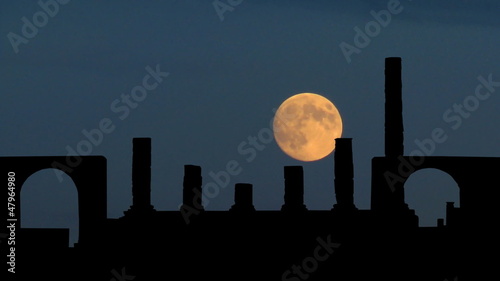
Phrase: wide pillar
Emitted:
{"points": [[192, 192], [294, 189], [243, 201]]}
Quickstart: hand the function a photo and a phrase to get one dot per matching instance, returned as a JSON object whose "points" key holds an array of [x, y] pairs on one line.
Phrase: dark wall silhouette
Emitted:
{"points": [[294, 243], [89, 177], [476, 177]]}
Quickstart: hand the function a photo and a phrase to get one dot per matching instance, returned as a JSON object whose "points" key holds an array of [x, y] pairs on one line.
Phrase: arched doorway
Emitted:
{"points": [[47, 202], [427, 191], [89, 177]]}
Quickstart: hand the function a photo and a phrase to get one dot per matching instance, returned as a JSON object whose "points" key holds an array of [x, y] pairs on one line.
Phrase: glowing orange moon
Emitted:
{"points": [[306, 125]]}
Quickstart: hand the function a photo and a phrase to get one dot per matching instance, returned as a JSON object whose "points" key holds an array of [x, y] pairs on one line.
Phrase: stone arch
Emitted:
{"points": [[476, 177], [47, 202], [89, 176], [427, 191]]}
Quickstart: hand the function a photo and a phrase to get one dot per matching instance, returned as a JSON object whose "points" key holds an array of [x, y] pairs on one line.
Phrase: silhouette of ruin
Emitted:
{"points": [[345, 243]]}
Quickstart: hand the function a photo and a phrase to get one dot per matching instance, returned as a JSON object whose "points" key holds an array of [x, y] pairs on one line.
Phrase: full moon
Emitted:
{"points": [[306, 125]]}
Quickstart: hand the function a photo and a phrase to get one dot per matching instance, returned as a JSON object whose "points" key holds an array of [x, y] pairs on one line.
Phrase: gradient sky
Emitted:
{"points": [[226, 75]]}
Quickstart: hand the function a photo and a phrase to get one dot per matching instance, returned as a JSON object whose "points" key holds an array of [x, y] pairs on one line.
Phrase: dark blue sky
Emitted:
{"points": [[227, 72]]}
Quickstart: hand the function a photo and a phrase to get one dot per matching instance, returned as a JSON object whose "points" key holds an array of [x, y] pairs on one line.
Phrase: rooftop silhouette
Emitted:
{"points": [[294, 243]]}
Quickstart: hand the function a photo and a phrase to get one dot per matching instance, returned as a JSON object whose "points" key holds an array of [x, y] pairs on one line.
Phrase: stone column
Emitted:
{"points": [[243, 200], [192, 192], [141, 176], [294, 189], [344, 174]]}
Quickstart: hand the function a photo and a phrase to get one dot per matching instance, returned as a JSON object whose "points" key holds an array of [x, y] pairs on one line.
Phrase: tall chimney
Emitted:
{"points": [[294, 189], [141, 176], [344, 175], [243, 197], [191, 192], [393, 108]]}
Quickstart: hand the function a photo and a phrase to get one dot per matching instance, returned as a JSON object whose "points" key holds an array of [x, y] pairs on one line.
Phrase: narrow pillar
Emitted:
{"points": [[243, 200], [294, 189], [344, 175], [393, 108], [191, 192], [394, 148], [141, 176]]}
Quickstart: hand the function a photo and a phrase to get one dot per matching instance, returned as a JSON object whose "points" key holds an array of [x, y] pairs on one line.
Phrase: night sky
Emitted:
{"points": [[221, 71]]}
